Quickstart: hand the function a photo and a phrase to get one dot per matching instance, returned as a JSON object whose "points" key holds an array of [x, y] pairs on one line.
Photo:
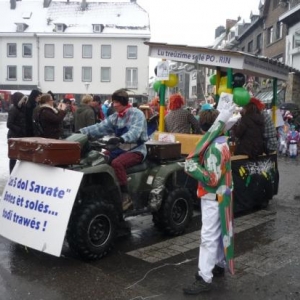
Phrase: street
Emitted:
{"points": [[150, 265]]}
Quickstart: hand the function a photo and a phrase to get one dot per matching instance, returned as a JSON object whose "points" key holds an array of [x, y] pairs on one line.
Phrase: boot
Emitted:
{"points": [[197, 287], [126, 201]]}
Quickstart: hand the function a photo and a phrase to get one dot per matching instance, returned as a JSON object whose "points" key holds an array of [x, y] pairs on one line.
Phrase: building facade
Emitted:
{"points": [[74, 47]]}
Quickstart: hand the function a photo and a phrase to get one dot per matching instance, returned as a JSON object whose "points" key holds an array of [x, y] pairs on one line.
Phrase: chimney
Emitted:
{"points": [[46, 3], [13, 4], [230, 23], [83, 5]]}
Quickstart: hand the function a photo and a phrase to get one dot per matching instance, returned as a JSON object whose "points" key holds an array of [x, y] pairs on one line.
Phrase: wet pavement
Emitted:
{"points": [[149, 265]]}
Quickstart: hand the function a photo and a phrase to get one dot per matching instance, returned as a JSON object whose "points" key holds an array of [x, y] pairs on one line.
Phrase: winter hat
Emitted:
{"points": [[120, 96], [206, 106]]}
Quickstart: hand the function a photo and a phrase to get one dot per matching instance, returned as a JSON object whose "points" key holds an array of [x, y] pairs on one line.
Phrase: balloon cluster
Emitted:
{"points": [[241, 96], [171, 82]]}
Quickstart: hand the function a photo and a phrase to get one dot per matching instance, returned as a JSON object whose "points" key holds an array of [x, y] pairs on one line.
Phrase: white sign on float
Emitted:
{"points": [[225, 101], [163, 70], [36, 205]]}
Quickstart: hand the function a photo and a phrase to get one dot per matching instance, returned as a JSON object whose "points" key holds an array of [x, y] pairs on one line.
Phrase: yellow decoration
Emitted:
{"points": [[173, 80], [224, 89]]}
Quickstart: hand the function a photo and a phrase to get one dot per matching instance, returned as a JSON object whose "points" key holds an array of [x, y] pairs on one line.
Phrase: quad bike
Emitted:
{"points": [[160, 188]]}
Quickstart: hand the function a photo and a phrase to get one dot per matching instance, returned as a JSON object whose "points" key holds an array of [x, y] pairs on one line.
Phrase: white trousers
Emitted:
{"points": [[211, 251], [282, 145], [293, 149]]}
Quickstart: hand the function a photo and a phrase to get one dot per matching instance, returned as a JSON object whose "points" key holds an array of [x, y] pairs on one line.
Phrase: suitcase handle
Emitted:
{"points": [[30, 150]]}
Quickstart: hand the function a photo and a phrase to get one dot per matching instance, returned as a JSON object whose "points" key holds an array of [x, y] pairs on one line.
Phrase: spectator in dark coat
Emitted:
{"points": [[249, 132], [68, 121], [84, 115], [96, 105], [31, 104], [49, 118], [16, 123]]}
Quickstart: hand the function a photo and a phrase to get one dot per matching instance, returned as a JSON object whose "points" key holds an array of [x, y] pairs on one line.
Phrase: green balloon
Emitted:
{"points": [[241, 96], [156, 86], [213, 79]]}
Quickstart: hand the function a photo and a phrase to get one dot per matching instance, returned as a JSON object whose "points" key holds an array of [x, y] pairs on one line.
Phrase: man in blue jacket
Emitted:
{"points": [[128, 126]]}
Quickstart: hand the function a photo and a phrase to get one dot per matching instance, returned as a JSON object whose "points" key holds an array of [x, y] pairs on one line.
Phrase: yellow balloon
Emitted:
{"points": [[224, 89], [173, 80], [223, 81]]}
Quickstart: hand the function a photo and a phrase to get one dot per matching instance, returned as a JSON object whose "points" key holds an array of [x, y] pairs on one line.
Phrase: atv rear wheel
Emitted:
{"points": [[92, 230], [175, 212]]}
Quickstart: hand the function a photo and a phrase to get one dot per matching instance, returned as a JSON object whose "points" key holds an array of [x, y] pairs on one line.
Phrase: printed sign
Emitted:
{"points": [[225, 101], [166, 137], [163, 70], [36, 205]]}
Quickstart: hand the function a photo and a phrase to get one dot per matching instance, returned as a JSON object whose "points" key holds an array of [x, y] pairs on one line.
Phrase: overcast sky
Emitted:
{"points": [[192, 22]]}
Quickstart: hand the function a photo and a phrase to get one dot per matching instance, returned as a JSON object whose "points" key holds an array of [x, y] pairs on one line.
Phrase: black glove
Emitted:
{"points": [[115, 141]]}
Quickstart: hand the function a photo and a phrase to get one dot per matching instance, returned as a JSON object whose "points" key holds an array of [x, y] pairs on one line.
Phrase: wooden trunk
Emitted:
{"points": [[44, 151], [163, 150]]}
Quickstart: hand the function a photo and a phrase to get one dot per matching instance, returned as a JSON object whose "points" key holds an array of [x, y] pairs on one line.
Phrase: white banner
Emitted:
{"points": [[36, 205]]}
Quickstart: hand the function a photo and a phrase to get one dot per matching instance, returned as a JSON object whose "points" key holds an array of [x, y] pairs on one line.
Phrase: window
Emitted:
{"points": [[49, 50], [86, 74], [68, 73], [60, 27], [11, 50], [131, 78], [87, 51], [106, 51], [296, 39], [27, 50], [279, 30], [21, 27], [194, 90], [27, 73], [49, 73], [270, 35], [259, 41], [132, 52], [68, 51], [11, 72], [250, 47], [105, 74], [98, 27]]}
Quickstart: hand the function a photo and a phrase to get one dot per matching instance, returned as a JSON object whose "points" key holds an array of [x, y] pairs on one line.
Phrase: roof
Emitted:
{"points": [[239, 61], [116, 17]]}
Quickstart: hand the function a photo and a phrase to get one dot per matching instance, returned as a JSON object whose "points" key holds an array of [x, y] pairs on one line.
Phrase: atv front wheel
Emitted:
{"points": [[91, 231], [175, 212]]}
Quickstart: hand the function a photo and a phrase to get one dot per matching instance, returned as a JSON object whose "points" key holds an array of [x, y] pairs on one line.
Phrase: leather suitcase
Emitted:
{"points": [[163, 150], [44, 151]]}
